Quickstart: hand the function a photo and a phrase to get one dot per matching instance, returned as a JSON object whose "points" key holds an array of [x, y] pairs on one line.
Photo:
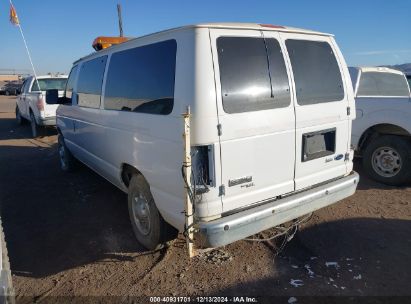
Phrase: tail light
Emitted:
{"points": [[40, 103], [202, 162]]}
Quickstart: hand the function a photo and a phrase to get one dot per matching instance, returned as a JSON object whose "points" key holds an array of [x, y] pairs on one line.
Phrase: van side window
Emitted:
{"points": [[142, 79], [251, 79], [382, 84], [70, 84], [316, 72], [90, 82]]}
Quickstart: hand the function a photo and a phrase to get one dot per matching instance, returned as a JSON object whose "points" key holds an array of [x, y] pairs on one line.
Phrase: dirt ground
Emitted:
{"points": [[69, 235]]}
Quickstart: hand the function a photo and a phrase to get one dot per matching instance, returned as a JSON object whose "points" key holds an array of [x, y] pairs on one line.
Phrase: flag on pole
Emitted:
{"points": [[14, 19]]}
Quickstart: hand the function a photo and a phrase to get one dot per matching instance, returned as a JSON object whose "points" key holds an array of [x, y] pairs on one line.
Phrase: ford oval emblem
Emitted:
{"points": [[338, 157]]}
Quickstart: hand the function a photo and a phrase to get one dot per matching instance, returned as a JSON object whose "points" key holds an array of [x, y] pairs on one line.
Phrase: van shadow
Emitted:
{"points": [[55, 221], [349, 257]]}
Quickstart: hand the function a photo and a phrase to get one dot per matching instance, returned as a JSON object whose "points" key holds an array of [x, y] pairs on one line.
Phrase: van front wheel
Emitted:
{"points": [[148, 225], [67, 160], [387, 159]]}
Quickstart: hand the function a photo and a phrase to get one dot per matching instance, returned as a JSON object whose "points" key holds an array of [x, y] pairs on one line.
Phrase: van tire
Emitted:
{"points": [[153, 232], [34, 126], [392, 151], [67, 160]]}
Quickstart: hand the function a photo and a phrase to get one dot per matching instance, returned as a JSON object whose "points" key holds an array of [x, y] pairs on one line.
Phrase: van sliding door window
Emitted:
{"points": [[142, 79], [90, 82], [316, 73], [252, 74], [382, 84]]}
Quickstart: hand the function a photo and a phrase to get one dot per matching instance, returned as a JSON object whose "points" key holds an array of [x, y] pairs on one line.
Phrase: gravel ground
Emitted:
{"points": [[69, 235]]}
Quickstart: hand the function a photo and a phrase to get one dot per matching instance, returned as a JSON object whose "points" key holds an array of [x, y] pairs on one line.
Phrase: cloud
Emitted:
{"points": [[383, 52]]}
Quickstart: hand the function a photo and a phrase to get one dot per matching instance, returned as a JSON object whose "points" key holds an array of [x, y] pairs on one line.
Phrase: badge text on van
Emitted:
{"points": [[239, 181]]}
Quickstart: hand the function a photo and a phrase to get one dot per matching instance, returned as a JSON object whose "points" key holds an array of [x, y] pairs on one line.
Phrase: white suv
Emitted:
{"points": [[271, 109], [31, 103]]}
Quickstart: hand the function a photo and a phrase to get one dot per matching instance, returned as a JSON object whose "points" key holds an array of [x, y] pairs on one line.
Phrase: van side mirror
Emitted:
{"points": [[52, 97]]}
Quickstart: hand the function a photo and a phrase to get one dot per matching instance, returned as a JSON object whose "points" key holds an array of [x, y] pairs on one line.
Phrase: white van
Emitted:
{"points": [[270, 128]]}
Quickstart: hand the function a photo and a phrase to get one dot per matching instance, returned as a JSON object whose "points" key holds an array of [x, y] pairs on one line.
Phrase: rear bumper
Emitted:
{"points": [[240, 225]]}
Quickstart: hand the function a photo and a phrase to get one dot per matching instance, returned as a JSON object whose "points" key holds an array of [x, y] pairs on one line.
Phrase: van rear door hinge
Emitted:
{"points": [[348, 111], [221, 191], [219, 130]]}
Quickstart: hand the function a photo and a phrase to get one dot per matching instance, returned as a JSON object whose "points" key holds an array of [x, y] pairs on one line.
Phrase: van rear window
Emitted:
{"points": [[252, 74], [382, 84], [316, 73]]}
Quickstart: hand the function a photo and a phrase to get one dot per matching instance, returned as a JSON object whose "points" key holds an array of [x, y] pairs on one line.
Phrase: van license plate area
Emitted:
{"points": [[318, 144]]}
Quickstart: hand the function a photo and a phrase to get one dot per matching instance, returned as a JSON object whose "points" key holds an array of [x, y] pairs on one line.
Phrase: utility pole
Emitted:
{"points": [[120, 20]]}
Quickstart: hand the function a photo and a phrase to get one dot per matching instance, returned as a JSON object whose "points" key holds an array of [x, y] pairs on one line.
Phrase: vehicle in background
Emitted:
{"points": [[409, 79], [270, 127], [6, 284], [31, 103], [11, 88], [382, 129]]}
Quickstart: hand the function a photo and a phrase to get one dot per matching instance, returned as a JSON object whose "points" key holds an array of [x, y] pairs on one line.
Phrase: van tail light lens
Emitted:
{"points": [[202, 162], [40, 103]]}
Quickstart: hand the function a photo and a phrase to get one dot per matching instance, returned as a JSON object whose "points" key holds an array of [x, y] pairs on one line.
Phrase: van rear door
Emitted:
{"points": [[256, 117], [322, 108]]}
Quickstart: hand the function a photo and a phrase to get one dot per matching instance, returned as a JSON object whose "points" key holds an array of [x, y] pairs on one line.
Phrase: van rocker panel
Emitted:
{"points": [[240, 225]]}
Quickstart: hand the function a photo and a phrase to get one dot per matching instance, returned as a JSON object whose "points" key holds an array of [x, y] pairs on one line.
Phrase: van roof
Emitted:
{"points": [[225, 25], [255, 26]]}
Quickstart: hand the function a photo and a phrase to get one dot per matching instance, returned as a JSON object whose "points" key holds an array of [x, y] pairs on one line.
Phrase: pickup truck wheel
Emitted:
{"points": [[67, 160], [20, 120], [34, 126], [387, 159], [148, 225]]}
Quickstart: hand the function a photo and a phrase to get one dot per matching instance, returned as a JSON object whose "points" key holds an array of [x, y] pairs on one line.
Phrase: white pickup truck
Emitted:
{"points": [[31, 103], [381, 131]]}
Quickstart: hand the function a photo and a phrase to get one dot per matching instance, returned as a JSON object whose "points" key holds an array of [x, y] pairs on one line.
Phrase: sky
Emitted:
{"points": [[59, 32]]}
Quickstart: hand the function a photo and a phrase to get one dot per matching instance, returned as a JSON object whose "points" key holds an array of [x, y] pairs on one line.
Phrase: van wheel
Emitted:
{"points": [[34, 126], [148, 225], [67, 160], [7, 93], [20, 120], [387, 159]]}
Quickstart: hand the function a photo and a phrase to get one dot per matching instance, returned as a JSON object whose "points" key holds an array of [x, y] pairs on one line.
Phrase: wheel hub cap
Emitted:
{"points": [[141, 212], [386, 161]]}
